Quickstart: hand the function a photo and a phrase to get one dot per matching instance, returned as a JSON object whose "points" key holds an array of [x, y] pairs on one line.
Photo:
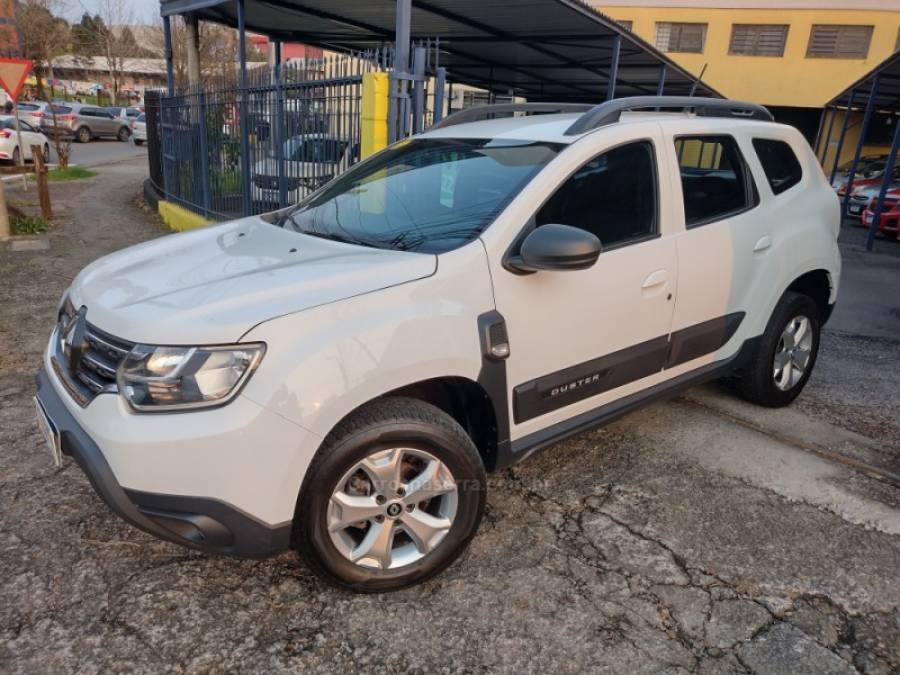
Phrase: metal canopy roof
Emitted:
{"points": [[887, 97], [557, 50]]}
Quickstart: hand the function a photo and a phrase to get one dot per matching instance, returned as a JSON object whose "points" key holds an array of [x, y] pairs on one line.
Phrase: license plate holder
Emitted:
{"points": [[49, 432]]}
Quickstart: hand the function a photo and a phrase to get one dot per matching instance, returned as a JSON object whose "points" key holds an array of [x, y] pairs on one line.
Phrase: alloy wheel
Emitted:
{"points": [[392, 508], [792, 353]]}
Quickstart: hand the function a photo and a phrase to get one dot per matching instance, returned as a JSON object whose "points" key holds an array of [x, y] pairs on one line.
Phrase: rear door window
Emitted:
{"points": [[779, 163], [715, 180]]}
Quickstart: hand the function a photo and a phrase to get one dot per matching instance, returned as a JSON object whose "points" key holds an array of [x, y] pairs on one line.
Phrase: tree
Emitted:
{"points": [[96, 34], [218, 51], [43, 36], [88, 35]]}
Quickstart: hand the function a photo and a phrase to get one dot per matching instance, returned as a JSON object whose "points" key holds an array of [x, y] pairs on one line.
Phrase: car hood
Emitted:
{"points": [[214, 284]]}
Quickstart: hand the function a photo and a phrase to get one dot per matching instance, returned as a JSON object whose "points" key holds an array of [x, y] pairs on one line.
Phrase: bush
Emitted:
{"points": [[29, 225]]}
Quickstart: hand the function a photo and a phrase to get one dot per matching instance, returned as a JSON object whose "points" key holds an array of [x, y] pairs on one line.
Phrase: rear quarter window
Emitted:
{"points": [[779, 163]]}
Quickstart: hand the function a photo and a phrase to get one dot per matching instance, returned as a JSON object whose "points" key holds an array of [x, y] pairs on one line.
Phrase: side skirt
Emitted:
{"points": [[528, 445]]}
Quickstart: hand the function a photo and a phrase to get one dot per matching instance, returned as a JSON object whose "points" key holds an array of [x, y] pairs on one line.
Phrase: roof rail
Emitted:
{"points": [[483, 112], [610, 111]]}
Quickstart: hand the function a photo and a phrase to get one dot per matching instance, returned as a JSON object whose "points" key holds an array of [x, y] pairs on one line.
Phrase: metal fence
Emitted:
{"points": [[225, 151]]}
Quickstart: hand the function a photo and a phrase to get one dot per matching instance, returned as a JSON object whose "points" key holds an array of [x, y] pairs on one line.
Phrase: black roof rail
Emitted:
{"points": [[610, 111], [483, 112]]}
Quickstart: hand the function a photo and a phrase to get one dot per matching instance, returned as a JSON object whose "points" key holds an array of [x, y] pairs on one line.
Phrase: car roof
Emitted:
{"points": [[552, 127]]}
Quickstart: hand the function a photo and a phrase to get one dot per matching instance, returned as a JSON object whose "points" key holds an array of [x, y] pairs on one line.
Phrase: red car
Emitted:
{"points": [[890, 214], [871, 177]]}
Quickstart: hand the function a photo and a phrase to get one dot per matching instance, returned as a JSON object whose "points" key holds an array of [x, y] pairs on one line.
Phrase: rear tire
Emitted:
{"points": [[46, 154], [425, 504], [83, 135], [786, 354]]}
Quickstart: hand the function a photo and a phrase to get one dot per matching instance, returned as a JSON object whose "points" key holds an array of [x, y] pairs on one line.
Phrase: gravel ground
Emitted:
{"points": [[697, 535]]}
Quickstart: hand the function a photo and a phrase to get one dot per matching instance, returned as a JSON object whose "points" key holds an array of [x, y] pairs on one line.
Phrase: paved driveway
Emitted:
{"points": [[698, 535]]}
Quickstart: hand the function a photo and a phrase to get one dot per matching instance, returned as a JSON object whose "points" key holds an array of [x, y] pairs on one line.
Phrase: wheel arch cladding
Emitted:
{"points": [[465, 400], [815, 284]]}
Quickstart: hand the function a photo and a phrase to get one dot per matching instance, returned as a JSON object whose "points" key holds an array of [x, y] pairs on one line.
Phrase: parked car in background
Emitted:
{"points": [[87, 122], [889, 222], [865, 165], [129, 113], [863, 194], [139, 129], [311, 160], [33, 112], [871, 180], [10, 151]]}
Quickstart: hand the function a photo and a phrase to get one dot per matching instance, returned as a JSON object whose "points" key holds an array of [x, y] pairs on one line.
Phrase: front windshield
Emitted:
{"points": [[426, 195]]}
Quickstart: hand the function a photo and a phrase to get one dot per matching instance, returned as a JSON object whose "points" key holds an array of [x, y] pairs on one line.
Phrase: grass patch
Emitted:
{"points": [[29, 225], [72, 173]]}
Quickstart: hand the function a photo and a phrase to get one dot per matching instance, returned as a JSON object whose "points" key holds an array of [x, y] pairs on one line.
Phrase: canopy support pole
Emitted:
{"points": [[864, 130], [245, 122], [170, 69], [840, 145], [885, 182]]}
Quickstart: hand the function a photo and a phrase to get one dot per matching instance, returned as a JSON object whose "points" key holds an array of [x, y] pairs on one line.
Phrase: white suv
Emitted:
{"points": [[338, 377]]}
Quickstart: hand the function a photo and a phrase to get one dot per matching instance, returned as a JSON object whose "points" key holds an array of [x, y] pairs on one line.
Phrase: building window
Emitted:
{"points": [[680, 37], [839, 42], [626, 24], [758, 39]]}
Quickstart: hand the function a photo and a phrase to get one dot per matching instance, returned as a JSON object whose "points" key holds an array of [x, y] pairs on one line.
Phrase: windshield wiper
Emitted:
{"points": [[332, 236]]}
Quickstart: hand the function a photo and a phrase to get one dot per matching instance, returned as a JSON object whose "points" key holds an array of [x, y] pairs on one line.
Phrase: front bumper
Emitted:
{"points": [[196, 522]]}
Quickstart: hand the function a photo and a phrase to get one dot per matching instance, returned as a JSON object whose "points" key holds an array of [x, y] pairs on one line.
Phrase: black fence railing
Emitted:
{"points": [[224, 152]]}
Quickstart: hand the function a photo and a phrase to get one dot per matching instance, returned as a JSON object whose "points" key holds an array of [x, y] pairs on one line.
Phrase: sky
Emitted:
{"points": [[143, 11]]}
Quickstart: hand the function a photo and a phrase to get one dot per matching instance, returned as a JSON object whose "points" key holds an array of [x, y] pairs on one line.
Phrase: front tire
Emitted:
{"points": [[786, 355], [392, 498], [123, 135]]}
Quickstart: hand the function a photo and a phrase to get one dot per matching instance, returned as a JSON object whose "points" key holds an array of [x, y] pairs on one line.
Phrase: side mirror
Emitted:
{"points": [[556, 248]]}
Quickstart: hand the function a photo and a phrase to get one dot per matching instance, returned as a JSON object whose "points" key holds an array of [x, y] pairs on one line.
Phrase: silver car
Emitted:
{"points": [[33, 112], [139, 129], [87, 122], [310, 160]]}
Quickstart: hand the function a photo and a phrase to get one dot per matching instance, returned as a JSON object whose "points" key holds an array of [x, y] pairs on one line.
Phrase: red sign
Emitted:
{"points": [[13, 73]]}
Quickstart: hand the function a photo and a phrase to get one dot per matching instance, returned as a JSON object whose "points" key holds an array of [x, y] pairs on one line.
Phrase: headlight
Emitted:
{"points": [[184, 378]]}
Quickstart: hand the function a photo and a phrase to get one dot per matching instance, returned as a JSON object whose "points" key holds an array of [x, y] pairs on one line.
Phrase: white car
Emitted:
{"points": [[139, 129], [338, 377], [310, 161], [10, 150]]}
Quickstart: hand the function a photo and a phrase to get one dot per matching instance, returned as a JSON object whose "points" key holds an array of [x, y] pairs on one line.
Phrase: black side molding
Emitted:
{"points": [[492, 333], [702, 338], [528, 445]]}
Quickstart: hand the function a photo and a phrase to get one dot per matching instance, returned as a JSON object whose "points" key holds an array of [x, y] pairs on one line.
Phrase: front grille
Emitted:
{"points": [[101, 354]]}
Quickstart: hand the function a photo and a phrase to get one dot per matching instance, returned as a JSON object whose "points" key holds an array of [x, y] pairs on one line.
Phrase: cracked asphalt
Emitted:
{"points": [[698, 535]]}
